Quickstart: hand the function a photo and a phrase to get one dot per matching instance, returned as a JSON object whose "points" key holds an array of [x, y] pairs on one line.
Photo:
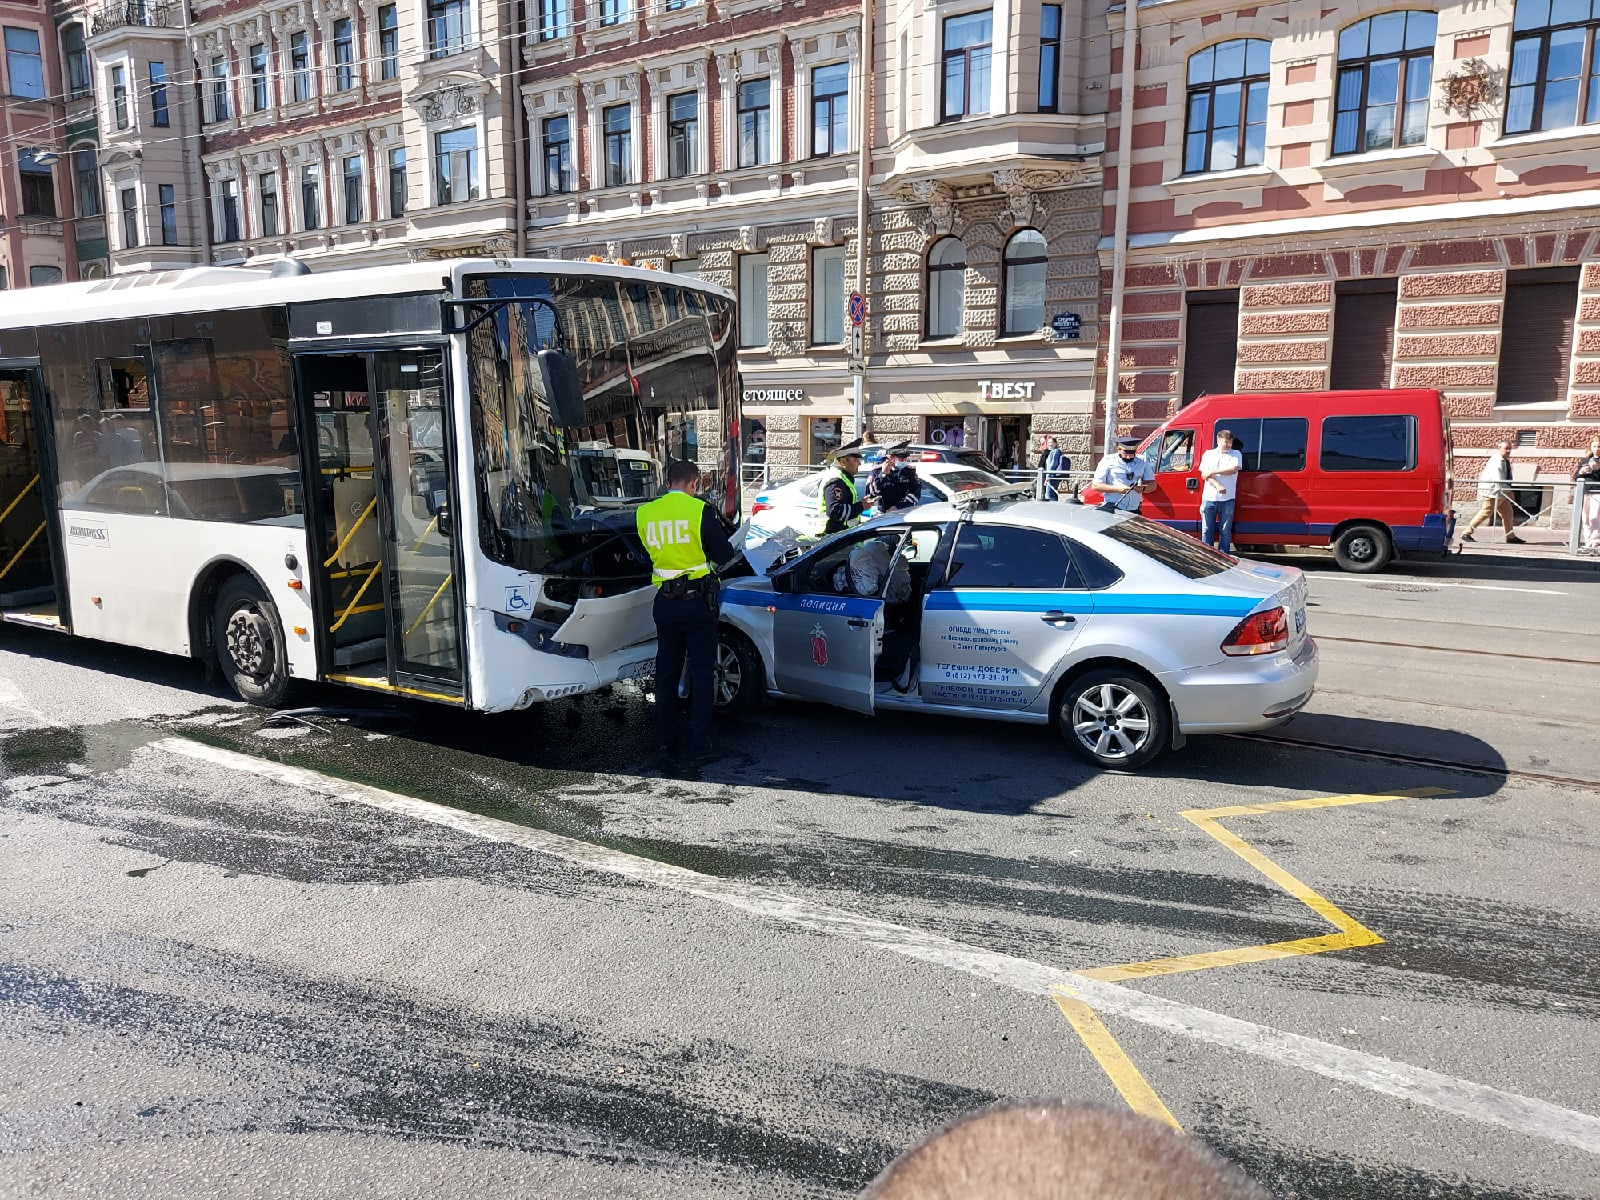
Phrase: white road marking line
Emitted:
{"points": [[1475, 1101], [1423, 579]]}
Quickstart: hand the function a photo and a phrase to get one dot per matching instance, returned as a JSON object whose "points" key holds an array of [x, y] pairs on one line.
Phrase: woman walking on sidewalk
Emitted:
{"points": [[1588, 472], [1494, 490]]}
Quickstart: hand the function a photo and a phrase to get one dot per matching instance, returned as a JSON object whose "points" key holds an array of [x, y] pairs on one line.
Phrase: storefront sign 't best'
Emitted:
{"points": [[1005, 390]]}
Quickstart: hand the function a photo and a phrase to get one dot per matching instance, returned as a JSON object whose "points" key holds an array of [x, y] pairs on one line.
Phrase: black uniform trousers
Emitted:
{"points": [[685, 627]]}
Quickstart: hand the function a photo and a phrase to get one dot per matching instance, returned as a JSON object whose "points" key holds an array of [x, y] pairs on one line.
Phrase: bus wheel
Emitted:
{"points": [[249, 642], [1363, 549]]}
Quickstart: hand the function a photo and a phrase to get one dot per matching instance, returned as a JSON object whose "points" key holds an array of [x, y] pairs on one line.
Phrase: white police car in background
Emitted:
{"points": [[794, 505], [1127, 636]]}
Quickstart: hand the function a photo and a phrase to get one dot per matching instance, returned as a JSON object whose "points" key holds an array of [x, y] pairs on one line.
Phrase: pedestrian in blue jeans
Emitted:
{"points": [[1219, 468]]}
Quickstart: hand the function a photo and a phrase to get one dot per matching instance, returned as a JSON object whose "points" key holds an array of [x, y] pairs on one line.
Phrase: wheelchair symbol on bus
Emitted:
{"points": [[519, 598]]}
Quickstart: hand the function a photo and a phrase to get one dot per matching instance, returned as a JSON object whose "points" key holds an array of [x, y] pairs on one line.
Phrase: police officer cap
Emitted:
{"points": [[898, 450], [849, 449], [1129, 442]]}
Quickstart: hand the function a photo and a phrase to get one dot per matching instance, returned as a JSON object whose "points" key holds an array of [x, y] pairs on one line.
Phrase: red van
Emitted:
{"points": [[1367, 473]]}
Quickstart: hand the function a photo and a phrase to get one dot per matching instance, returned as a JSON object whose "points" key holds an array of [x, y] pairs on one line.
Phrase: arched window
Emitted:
{"points": [[947, 275], [1555, 66], [1024, 283], [1226, 117], [1385, 73]]}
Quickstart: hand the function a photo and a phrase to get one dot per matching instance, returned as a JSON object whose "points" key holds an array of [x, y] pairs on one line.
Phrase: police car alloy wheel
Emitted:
{"points": [[737, 676], [1114, 719]]}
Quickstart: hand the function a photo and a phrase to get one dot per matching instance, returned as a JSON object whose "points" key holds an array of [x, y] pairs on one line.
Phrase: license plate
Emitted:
{"points": [[1299, 620]]}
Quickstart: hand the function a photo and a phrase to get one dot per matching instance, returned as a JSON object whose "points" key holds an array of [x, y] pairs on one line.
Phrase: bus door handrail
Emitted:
{"points": [[361, 520], [26, 488], [373, 574], [6, 570]]}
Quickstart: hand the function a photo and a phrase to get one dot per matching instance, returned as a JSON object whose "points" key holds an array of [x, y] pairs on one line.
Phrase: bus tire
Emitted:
{"points": [[249, 643], [1363, 549]]}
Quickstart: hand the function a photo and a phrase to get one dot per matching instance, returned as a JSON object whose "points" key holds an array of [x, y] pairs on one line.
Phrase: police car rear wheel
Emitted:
{"points": [[737, 684], [1113, 719]]}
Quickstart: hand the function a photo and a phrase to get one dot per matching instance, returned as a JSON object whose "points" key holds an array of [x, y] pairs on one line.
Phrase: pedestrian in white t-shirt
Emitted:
{"points": [[1220, 469]]}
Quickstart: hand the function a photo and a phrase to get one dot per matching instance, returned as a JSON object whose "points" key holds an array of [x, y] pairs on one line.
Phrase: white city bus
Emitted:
{"points": [[394, 477]]}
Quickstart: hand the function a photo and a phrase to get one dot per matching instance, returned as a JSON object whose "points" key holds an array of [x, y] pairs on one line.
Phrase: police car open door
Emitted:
{"points": [[827, 629]]}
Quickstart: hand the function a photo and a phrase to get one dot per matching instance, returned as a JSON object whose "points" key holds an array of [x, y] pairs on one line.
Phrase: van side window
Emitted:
{"points": [[1175, 451], [1387, 443], [1269, 443]]}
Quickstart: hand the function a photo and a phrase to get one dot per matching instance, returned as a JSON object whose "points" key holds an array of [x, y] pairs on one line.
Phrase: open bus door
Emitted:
{"points": [[30, 563], [386, 573]]}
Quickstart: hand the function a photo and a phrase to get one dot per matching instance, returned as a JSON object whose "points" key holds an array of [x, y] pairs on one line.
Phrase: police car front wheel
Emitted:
{"points": [[738, 678], [1114, 719]]}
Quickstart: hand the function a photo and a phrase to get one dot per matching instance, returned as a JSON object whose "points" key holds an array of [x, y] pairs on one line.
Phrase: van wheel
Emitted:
{"points": [[249, 643], [1114, 719], [1364, 549], [738, 682]]}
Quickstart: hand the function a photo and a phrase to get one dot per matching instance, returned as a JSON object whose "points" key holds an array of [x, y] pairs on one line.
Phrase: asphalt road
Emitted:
{"points": [[239, 958]]}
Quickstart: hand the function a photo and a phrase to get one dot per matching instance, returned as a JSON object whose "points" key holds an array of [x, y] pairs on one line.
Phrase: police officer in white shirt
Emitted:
{"points": [[1220, 468], [1124, 478]]}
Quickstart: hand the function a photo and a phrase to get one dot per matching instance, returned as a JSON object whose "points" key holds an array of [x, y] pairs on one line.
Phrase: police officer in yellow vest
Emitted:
{"points": [[839, 498], [685, 542]]}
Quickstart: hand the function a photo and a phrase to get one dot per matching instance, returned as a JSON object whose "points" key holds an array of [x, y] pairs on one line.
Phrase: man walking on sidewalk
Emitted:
{"points": [[1494, 484]]}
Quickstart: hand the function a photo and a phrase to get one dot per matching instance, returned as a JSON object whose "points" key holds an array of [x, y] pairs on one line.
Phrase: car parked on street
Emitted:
{"points": [[794, 505], [1127, 636]]}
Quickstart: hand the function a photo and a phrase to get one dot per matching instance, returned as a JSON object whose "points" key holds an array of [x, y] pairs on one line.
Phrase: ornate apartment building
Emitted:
{"points": [[1363, 195]]}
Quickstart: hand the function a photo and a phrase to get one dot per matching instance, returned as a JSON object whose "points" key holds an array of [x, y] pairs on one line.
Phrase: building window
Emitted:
{"points": [[947, 278], [827, 296], [683, 134], [38, 185], [1049, 57], [675, 5], [220, 110], [830, 110], [1226, 124], [552, 20], [77, 57], [455, 164], [86, 180], [267, 186], [352, 190], [119, 97], [397, 182], [752, 300], [258, 77], [43, 276], [168, 196], [299, 67], [1385, 72], [685, 266], [24, 64], [310, 198], [1024, 283], [558, 156], [1555, 72], [388, 42], [344, 55], [449, 27], [965, 86], [618, 123], [1536, 353], [228, 227], [159, 114], [128, 200], [755, 123], [1210, 343], [613, 11]]}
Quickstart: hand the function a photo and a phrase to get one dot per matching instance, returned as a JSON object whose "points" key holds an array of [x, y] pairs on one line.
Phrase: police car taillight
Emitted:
{"points": [[929, 456], [760, 505], [1264, 632]]}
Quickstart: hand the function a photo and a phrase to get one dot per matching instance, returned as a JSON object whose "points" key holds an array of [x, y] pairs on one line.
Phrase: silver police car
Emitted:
{"points": [[1126, 635]]}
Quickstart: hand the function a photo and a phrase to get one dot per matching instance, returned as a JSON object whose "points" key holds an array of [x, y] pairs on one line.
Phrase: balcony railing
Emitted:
{"points": [[132, 12]]}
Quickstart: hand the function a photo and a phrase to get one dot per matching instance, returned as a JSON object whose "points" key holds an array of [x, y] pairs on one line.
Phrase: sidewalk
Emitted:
{"points": [[1541, 547]]}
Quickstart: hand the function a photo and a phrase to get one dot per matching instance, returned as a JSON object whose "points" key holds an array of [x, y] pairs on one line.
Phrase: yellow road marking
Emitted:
{"points": [[1124, 1076], [1119, 1068]]}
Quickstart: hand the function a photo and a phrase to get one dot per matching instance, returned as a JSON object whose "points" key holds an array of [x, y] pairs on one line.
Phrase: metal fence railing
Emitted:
{"points": [[1584, 532]]}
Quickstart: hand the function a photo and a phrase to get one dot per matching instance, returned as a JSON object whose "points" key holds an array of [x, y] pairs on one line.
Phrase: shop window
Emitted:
{"points": [[752, 300], [1210, 343], [947, 275], [753, 439], [1385, 73], [1555, 71], [947, 431], [830, 110], [1536, 351], [755, 122], [1024, 283], [965, 79], [1225, 125], [823, 437], [827, 296]]}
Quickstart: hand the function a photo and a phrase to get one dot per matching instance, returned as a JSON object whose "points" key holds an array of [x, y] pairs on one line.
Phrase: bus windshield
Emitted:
{"points": [[582, 388]]}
